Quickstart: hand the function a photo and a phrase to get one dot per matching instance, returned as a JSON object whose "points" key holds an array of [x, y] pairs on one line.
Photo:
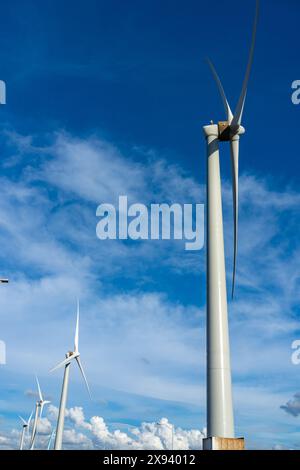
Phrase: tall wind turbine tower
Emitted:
{"points": [[220, 422], [70, 356]]}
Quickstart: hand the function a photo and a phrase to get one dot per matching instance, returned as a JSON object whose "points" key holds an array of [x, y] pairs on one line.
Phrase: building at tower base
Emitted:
{"points": [[223, 443]]}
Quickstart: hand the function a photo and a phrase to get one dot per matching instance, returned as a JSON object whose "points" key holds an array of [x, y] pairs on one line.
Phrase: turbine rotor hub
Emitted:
{"points": [[226, 131]]}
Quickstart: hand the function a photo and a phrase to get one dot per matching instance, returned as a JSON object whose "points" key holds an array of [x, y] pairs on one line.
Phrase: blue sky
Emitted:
{"points": [[109, 98]]}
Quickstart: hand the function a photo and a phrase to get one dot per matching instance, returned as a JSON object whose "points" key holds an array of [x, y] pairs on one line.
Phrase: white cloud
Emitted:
{"points": [[76, 415], [44, 426], [149, 436], [76, 440], [4, 441], [93, 170]]}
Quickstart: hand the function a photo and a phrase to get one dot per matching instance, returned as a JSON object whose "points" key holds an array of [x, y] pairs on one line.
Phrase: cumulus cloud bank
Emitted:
{"points": [[157, 435], [94, 433]]}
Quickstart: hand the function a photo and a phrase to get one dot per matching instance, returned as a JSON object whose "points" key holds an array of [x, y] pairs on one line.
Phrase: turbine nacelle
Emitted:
{"points": [[228, 131], [224, 131], [26, 424], [72, 355]]}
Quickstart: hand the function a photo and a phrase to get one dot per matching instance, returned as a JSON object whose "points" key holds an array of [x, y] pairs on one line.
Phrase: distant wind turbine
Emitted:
{"points": [[25, 427], [70, 356], [220, 422], [38, 413]]}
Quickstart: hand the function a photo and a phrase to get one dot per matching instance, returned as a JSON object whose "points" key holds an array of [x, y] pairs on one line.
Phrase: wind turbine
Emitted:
{"points": [[25, 427], [220, 422], [70, 356], [39, 406]]}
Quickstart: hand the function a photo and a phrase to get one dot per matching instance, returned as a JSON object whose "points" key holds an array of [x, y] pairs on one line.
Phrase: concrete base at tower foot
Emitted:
{"points": [[223, 443]]}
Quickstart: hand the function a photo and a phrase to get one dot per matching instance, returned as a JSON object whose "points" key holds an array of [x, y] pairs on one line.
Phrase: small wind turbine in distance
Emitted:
{"points": [[220, 422], [25, 427], [70, 356], [38, 413]]}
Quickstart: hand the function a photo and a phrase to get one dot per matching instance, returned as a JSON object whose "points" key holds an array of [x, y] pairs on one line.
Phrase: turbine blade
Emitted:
{"points": [[234, 144], [83, 375], [39, 389], [29, 422], [237, 119], [63, 363], [222, 92], [23, 421], [76, 339], [50, 439], [29, 419]]}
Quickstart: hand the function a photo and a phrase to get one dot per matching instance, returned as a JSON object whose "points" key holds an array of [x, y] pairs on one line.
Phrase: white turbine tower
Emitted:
{"points": [[220, 422], [25, 427], [38, 413], [70, 356]]}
